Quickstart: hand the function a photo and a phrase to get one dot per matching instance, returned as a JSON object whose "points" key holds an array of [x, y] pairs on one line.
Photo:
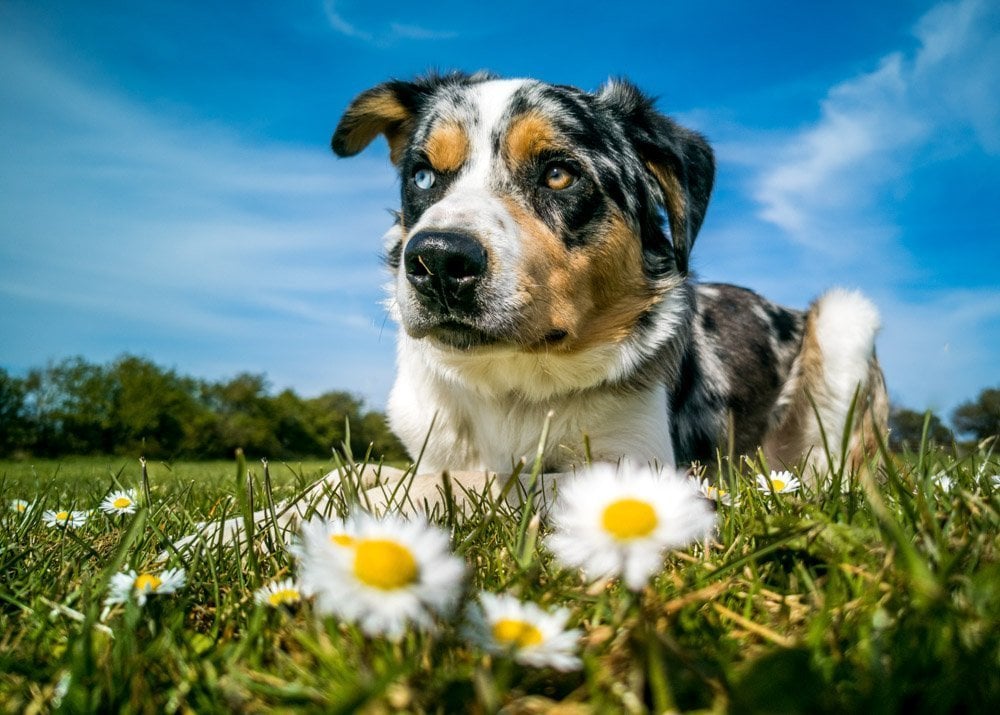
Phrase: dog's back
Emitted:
{"points": [[757, 374]]}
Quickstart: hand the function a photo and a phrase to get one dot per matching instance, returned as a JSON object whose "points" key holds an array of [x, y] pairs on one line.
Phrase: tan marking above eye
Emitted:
{"points": [[528, 136], [559, 177], [447, 147]]}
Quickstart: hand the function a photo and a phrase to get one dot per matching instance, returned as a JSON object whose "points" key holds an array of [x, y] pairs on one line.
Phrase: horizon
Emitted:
{"points": [[168, 189]]}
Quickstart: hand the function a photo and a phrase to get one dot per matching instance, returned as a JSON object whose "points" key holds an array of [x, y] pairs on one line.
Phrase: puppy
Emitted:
{"points": [[540, 272]]}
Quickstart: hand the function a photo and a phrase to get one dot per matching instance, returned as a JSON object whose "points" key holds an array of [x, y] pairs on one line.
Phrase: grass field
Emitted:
{"points": [[881, 597]]}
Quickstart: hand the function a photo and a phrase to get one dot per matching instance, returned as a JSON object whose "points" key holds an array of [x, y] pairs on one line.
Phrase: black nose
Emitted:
{"points": [[445, 268]]}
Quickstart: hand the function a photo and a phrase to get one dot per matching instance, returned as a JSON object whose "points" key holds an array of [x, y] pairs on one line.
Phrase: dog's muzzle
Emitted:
{"points": [[445, 269]]}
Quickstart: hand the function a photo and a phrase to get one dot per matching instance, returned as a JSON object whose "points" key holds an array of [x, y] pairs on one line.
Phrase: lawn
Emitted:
{"points": [[883, 596]]}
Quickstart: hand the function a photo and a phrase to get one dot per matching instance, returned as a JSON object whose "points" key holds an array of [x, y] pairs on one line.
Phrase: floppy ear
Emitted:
{"points": [[387, 109], [679, 159], [391, 108]]}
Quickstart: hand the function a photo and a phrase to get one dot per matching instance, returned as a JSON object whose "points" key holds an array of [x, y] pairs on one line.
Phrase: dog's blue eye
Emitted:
{"points": [[423, 178]]}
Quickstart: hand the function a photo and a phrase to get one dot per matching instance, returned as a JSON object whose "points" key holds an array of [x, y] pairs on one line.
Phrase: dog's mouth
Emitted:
{"points": [[462, 336]]}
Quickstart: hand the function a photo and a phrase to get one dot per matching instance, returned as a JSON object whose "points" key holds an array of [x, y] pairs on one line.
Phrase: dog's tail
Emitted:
{"points": [[837, 361]]}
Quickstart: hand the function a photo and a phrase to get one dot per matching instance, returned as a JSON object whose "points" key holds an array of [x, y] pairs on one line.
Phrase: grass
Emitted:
{"points": [[881, 597]]}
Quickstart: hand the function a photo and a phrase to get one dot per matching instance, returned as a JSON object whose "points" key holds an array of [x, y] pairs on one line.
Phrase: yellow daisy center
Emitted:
{"points": [[384, 564], [342, 540], [519, 634], [778, 484], [121, 502], [629, 519], [285, 595], [62, 516], [147, 582], [20, 507]]}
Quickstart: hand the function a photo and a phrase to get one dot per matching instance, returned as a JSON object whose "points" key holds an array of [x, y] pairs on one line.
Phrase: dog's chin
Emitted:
{"points": [[461, 336], [468, 337]]}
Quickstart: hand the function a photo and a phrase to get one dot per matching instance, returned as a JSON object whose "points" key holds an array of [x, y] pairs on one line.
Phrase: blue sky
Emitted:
{"points": [[166, 187]]}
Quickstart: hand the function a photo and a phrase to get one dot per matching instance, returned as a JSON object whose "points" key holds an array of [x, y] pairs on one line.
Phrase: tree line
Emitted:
{"points": [[975, 420], [133, 406]]}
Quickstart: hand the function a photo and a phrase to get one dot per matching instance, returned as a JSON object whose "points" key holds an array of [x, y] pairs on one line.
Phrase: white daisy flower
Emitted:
{"points": [[780, 483], [503, 625], [19, 505], [128, 584], [612, 523], [65, 519], [714, 492], [278, 593], [381, 573], [120, 502], [944, 482], [995, 480]]}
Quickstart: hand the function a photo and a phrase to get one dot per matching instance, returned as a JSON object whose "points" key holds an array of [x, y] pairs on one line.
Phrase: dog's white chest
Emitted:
{"points": [[473, 430]]}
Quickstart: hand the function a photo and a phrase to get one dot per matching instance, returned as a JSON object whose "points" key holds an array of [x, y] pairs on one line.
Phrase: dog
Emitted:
{"points": [[540, 272], [540, 277]]}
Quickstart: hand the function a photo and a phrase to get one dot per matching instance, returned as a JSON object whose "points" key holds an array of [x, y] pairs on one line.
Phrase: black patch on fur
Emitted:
{"points": [[708, 322], [783, 322], [737, 328]]}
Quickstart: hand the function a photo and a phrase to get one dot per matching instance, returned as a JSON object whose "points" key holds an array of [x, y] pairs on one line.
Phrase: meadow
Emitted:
{"points": [[879, 594]]}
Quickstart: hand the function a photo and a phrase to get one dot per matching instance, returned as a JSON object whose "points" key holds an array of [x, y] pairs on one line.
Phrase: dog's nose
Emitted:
{"points": [[445, 267]]}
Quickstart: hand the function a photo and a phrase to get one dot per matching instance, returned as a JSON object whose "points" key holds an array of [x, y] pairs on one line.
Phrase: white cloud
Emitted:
{"points": [[872, 126]]}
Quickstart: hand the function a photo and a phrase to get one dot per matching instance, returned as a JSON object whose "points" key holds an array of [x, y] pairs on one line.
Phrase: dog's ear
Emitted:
{"points": [[391, 109], [679, 159], [388, 109]]}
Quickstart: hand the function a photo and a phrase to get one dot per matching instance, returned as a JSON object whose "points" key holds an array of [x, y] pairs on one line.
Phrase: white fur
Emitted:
{"points": [[477, 426], [845, 327]]}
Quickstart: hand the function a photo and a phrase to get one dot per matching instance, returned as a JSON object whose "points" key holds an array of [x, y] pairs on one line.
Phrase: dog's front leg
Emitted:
{"points": [[432, 493], [322, 498]]}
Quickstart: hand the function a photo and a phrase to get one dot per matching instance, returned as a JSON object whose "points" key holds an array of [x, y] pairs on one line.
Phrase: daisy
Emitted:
{"points": [[611, 523], [120, 502], [65, 519], [127, 584], [19, 505], [381, 573], [278, 593], [780, 483], [995, 480], [503, 625], [715, 493], [944, 482]]}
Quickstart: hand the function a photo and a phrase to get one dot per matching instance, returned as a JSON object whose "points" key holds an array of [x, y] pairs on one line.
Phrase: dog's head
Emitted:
{"points": [[532, 214]]}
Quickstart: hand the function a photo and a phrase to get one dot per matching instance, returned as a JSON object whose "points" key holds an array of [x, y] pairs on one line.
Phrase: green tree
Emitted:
{"points": [[906, 428], [72, 404], [979, 418], [151, 407], [14, 426], [134, 406], [246, 416]]}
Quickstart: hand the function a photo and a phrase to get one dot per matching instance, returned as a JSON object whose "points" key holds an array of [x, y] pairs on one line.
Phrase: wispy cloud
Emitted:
{"points": [[872, 126], [382, 36], [126, 221]]}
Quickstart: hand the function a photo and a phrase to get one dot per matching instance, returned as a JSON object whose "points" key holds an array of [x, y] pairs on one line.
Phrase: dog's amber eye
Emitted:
{"points": [[423, 178], [558, 177]]}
